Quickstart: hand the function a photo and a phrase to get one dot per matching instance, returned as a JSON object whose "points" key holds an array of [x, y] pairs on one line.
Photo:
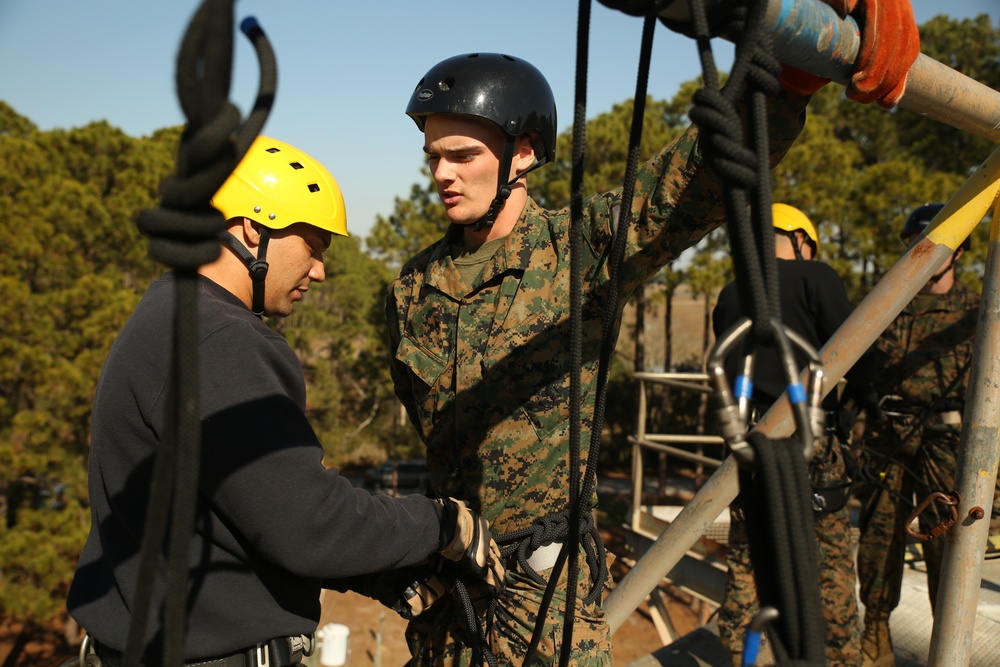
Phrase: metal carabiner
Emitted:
{"points": [[733, 410], [755, 633], [949, 500]]}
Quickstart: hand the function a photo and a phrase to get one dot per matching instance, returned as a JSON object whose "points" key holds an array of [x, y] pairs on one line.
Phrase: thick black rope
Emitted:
{"points": [[610, 320], [481, 653], [785, 564], [780, 532], [572, 544], [555, 528], [183, 235]]}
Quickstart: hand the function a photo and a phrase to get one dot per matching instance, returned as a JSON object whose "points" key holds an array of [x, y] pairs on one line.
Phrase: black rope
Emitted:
{"points": [[183, 235], [571, 546], [778, 497], [780, 531], [544, 531], [609, 321], [481, 652], [555, 528]]}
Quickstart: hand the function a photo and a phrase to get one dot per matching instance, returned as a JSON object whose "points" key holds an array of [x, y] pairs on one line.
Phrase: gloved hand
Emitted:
{"points": [[408, 591], [890, 43], [472, 545]]}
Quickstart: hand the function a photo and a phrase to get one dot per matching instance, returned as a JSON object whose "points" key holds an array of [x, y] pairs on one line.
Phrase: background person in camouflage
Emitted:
{"points": [[814, 304], [921, 372]]}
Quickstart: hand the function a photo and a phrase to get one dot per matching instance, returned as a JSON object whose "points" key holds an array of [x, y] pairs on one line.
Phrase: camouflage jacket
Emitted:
{"points": [[928, 349], [484, 370]]}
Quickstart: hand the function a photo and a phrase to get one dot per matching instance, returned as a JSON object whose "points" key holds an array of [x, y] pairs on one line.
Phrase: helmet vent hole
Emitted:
{"points": [[313, 187], [273, 150], [296, 165], [446, 84]]}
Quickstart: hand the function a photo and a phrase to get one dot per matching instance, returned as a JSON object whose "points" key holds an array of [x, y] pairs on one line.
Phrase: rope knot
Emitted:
{"points": [[722, 138]]}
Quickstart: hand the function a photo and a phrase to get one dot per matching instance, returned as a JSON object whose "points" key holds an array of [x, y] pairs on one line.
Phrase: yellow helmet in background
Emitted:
{"points": [[790, 219], [278, 185]]}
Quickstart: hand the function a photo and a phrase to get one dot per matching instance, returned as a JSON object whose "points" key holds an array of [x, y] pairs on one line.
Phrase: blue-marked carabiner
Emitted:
{"points": [[755, 632], [733, 409]]}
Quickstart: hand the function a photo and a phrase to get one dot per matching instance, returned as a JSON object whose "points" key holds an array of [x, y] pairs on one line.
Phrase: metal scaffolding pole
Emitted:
{"points": [[975, 479]]}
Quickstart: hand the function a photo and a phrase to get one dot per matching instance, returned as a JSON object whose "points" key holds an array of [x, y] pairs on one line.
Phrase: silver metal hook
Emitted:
{"points": [[734, 409]]}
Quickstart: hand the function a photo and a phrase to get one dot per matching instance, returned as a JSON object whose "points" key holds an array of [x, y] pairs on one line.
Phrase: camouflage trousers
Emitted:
{"points": [[904, 480], [836, 575], [440, 638]]}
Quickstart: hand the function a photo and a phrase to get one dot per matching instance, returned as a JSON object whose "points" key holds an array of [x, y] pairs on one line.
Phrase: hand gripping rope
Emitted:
{"points": [[183, 234]]}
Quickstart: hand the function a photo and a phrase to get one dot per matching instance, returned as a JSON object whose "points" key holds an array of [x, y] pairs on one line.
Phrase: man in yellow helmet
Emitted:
{"points": [[814, 304], [273, 523]]}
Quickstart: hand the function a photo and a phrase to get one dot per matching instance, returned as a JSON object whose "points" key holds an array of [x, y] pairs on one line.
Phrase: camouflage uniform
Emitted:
{"points": [[484, 370], [928, 349]]}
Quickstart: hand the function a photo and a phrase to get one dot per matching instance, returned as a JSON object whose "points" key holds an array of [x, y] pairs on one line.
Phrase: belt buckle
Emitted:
{"points": [[262, 655], [304, 644]]}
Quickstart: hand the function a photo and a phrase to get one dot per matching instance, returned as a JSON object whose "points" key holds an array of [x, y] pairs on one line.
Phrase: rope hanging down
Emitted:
{"points": [[779, 511], [745, 172], [578, 524], [183, 235]]}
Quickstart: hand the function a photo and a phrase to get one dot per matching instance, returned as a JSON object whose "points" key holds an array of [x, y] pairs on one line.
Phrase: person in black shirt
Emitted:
{"points": [[273, 524], [814, 304]]}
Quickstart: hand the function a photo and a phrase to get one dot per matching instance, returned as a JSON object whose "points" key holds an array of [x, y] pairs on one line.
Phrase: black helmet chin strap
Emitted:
{"points": [[797, 245], [257, 266], [503, 187]]}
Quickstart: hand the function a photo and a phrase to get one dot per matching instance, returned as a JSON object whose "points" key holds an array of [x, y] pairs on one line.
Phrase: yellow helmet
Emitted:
{"points": [[790, 219], [278, 185]]}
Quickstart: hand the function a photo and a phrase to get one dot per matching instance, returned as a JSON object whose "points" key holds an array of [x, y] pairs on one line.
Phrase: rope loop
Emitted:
{"points": [[550, 529]]}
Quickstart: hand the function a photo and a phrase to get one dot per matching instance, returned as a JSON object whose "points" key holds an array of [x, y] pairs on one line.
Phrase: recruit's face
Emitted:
{"points": [[464, 158], [295, 260]]}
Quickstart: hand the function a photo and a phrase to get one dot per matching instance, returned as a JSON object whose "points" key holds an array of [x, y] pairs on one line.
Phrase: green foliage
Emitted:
{"points": [[338, 333], [76, 265], [607, 151], [414, 224]]}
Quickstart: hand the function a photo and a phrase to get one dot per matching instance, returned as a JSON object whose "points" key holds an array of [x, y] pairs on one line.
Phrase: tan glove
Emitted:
{"points": [[472, 545]]}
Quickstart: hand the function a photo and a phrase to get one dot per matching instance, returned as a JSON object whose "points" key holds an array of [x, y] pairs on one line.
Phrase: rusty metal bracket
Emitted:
{"points": [[949, 500]]}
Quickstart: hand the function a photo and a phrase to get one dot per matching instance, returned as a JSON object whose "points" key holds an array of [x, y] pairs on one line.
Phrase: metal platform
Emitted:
{"points": [[911, 624]]}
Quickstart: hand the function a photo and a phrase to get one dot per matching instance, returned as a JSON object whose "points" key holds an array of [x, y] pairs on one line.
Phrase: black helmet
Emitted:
{"points": [[508, 91], [920, 217]]}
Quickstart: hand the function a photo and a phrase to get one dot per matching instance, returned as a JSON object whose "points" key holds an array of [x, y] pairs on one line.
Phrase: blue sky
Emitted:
{"points": [[345, 69]]}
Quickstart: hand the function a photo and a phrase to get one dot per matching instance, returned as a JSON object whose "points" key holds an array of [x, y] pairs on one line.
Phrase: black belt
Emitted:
{"points": [[280, 652]]}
